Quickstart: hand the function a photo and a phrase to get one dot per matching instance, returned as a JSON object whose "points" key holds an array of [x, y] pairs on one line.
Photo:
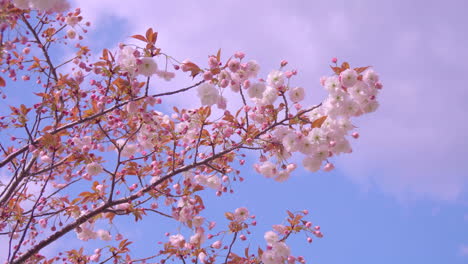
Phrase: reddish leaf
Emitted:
{"points": [[140, 37], [337, 70], [318, 122], [47, 128], [149, 34], [105, 54], [218, 55], [344, 66], [215, 71], [193, 68], [2, 82], [361, 69], [260, 252], [229, 216]]}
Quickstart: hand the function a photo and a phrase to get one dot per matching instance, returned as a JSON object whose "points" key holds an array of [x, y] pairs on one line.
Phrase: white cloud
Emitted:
{"points": [[412, 147], [463, 250]]}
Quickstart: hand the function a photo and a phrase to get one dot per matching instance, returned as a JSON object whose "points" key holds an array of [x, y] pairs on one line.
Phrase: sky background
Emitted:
{"points": [[401, 196]]}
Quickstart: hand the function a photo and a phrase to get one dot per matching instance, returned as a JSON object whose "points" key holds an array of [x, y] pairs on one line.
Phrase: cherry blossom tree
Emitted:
{"points": [[93, 143]]}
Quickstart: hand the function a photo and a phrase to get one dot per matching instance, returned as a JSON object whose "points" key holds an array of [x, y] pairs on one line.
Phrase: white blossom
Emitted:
{"points": [[147, 67], [208, 94]]}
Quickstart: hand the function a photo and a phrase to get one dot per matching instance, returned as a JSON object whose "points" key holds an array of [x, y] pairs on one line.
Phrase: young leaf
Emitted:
{"points": [[218, 55], [361, 69], [149, 34], [139, 37], [318, 122], [344, 66], [337, 70]]}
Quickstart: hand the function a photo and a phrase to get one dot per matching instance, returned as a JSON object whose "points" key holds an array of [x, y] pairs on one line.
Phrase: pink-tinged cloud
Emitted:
{"points": [[463, 250], [415, 145]]}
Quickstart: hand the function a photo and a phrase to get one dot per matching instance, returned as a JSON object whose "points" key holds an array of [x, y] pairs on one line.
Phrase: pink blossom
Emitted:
{"points": [[267, 169], [241, 214], [271, 237], [216, 244], [202, 257], [312, 164], [275, 79], [104, 235], [256, 90], [127, 59], [177, 240], [297, 94], [94, 168], [208, 94], [71, 33], [167, 76], [348, 77], [234, 65]]}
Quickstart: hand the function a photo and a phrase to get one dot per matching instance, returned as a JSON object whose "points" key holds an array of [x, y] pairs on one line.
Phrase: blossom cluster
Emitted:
{"points": [[135, 63], [49, 6], [349, 96], [102, 147]]}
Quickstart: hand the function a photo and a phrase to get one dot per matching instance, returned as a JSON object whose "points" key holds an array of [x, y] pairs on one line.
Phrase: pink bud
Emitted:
{"points": [[328, 167], [246, 84], [301, 259], [71, 34], [207, 76], [234, 65], [334, 60], [239, 55], [216, 244], [305, 212], [213, 62], [309, 239], [133, 187], [355, 135], [284, 63], [211, 225], [243, 237]]}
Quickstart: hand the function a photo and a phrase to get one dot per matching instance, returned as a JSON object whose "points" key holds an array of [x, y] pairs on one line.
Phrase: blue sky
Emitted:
{"points": [[401, 196]]}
